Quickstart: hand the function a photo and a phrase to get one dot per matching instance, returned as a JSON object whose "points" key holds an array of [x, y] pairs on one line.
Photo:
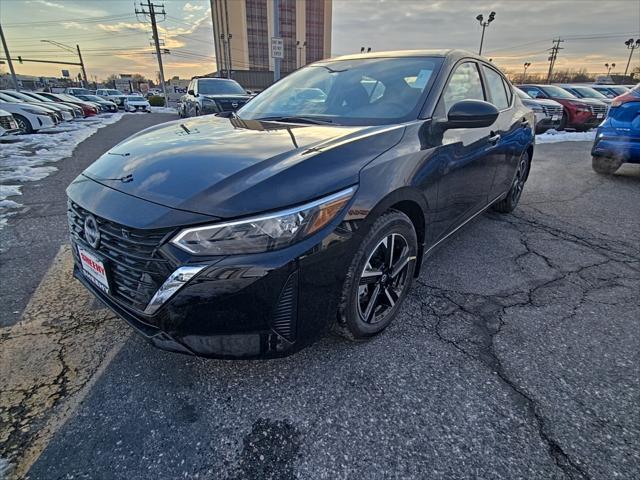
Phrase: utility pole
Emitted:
{"points": [[6, 54], [301, 48], [151, 13], [228, 40], [631, 46], [216, 35], [276, 34], [84, 72], [554, 55]]}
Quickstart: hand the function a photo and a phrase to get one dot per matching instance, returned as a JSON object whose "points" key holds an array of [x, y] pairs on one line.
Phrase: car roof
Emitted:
{"points": [[408, 53]]}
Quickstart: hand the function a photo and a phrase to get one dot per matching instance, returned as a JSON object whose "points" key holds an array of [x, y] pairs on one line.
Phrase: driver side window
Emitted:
{"points": [[464, 84]]}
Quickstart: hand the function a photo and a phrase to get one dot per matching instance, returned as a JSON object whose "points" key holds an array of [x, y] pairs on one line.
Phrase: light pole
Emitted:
{"points": [[72, 50], [631, 46], [524, 76], [300, 47], [484, 25], [609, 67]]}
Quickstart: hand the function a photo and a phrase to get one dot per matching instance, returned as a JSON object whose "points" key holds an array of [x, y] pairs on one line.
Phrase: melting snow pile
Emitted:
{"points": [[554, 136], [28, 158]]}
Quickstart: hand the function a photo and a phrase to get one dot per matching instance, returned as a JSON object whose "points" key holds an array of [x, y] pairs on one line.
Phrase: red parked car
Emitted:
{"points": [[88, 110], [579, 113]]}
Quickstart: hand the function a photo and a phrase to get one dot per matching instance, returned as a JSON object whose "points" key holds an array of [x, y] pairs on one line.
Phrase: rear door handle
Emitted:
{"points": [[494, 138]]}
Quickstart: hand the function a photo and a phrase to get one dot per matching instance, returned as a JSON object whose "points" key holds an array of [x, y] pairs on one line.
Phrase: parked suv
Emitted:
{"points": [[113, 95], [251, 235], [582, 91], [579, 113], [548, 112], [213, 95], [618, 137], [77, 91], [610, 91]]}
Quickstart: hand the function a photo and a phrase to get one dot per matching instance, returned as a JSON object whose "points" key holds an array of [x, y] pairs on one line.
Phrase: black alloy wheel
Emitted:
{"points": [[509, 203], [379, 277]]}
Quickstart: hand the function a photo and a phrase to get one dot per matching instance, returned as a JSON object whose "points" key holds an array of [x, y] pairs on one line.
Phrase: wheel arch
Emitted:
{"points": [[413, 204]]}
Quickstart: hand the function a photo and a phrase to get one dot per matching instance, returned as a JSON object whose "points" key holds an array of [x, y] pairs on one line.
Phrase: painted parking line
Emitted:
{"points": [[49, 361]]}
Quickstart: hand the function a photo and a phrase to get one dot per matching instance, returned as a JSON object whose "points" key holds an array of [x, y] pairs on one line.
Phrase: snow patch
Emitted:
{"points": [[164, 110], [28, 158], [554, 136]]}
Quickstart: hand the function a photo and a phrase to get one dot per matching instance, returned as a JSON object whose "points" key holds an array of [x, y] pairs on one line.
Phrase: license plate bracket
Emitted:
{"points": [[94, 268]]}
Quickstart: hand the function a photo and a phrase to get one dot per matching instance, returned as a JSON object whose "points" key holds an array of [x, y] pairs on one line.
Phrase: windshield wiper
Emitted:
{"points": [[295, 119]]}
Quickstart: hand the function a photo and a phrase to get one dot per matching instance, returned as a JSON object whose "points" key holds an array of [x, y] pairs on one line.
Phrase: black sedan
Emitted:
{"points": [[313, 207]]}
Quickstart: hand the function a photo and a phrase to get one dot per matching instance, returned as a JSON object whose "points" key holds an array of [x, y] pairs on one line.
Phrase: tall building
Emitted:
{"points": [[244, 29]]}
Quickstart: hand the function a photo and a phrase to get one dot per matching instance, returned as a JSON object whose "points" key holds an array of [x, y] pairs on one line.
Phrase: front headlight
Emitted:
{"points": [[263, 233]]}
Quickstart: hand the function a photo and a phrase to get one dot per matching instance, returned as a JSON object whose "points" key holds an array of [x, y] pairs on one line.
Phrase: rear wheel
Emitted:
{"points": [[509, 203], [379, 277], [24, 125], [605, 165]]}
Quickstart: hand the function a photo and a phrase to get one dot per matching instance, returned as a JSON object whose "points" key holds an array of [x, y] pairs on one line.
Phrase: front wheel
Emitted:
{"points": [[605, 165], [379, 277], [24, 125], [510, 202]]}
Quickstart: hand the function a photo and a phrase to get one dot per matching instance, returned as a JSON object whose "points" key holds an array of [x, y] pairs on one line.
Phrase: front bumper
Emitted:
{"points": [[545, 122], [248, 306]]}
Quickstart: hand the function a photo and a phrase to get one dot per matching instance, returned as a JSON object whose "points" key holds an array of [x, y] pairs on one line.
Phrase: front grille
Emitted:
{"points": [[552, 110], [135, 266], [230, 105], [599, 109]]}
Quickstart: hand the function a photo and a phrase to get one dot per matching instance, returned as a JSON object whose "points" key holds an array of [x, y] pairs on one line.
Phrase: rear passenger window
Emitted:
{"points": [[496, 88], [464, 84]]}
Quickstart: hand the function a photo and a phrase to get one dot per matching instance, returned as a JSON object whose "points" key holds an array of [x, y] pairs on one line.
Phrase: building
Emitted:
{"points": [[244, 29]]}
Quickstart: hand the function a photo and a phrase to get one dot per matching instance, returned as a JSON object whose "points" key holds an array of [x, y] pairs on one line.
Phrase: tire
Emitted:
{"points": [[23, 124], [510, 202], [370, 278], [563, 122], [605, 165]]}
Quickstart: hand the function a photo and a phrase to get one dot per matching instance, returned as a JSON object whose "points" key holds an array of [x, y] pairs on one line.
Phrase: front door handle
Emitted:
{"points": [[494, 138]]}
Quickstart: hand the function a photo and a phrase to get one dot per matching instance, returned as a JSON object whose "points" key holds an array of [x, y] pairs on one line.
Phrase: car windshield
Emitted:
{"points": [[39, 97], [619, 90], [135, 99], [219, 87], [8, 98], [79, 91], [113, 92], [588, 92], [93, 98], [358, 92], [522, 94], [557, 92]]}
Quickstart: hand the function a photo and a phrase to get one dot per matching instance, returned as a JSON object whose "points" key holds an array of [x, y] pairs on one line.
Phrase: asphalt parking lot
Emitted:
{"points": [[515, 356]]}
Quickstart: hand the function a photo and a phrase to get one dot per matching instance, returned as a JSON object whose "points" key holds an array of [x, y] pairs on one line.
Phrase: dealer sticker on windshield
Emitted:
{"points": [[93, 269]]}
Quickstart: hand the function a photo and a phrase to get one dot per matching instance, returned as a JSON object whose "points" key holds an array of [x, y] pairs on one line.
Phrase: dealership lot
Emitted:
{"points": [[516, 356]]}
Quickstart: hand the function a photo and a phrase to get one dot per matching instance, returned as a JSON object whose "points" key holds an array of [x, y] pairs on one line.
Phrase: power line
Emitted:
{"points": [[46, 23]]}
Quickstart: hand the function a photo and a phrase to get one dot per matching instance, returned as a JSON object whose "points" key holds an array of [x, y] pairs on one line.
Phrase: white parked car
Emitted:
{"points": [[64, 113], [8, 124], [136, 103], [30, 118], [112, 95]]}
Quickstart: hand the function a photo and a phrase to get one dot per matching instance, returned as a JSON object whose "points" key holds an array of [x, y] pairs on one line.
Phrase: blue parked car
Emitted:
{"points": [[618, 137]]}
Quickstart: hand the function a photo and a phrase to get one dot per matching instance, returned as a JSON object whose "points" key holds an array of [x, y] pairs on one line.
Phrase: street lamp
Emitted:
{"points": [[524, 76], [484, 25], [71, 49], [631, 46], [609, 67]]}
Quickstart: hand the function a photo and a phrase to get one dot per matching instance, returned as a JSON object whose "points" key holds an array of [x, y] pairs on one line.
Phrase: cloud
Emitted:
{"points": [[188, 7], [74, 25], [123, 27], [49, 4]]}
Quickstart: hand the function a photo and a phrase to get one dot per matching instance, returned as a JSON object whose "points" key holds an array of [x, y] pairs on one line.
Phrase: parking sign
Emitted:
{"points": [[277, 47]]}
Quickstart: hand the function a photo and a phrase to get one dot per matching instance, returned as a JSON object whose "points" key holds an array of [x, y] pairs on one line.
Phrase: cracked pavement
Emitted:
{"points": [[516, 355]]}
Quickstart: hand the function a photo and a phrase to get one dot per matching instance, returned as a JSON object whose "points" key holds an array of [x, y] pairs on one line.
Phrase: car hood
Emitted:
{"points": [[235, 96], [19, 107], [541, 102], [227, 167]]}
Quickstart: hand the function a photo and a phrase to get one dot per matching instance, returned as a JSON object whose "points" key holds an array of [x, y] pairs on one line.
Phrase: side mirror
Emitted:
{"points": [[471, 114], [190, 92], [249, 92]]}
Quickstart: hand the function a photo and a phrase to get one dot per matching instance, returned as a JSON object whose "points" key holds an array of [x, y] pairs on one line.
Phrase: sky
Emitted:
{"points": [[114, 40]]}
